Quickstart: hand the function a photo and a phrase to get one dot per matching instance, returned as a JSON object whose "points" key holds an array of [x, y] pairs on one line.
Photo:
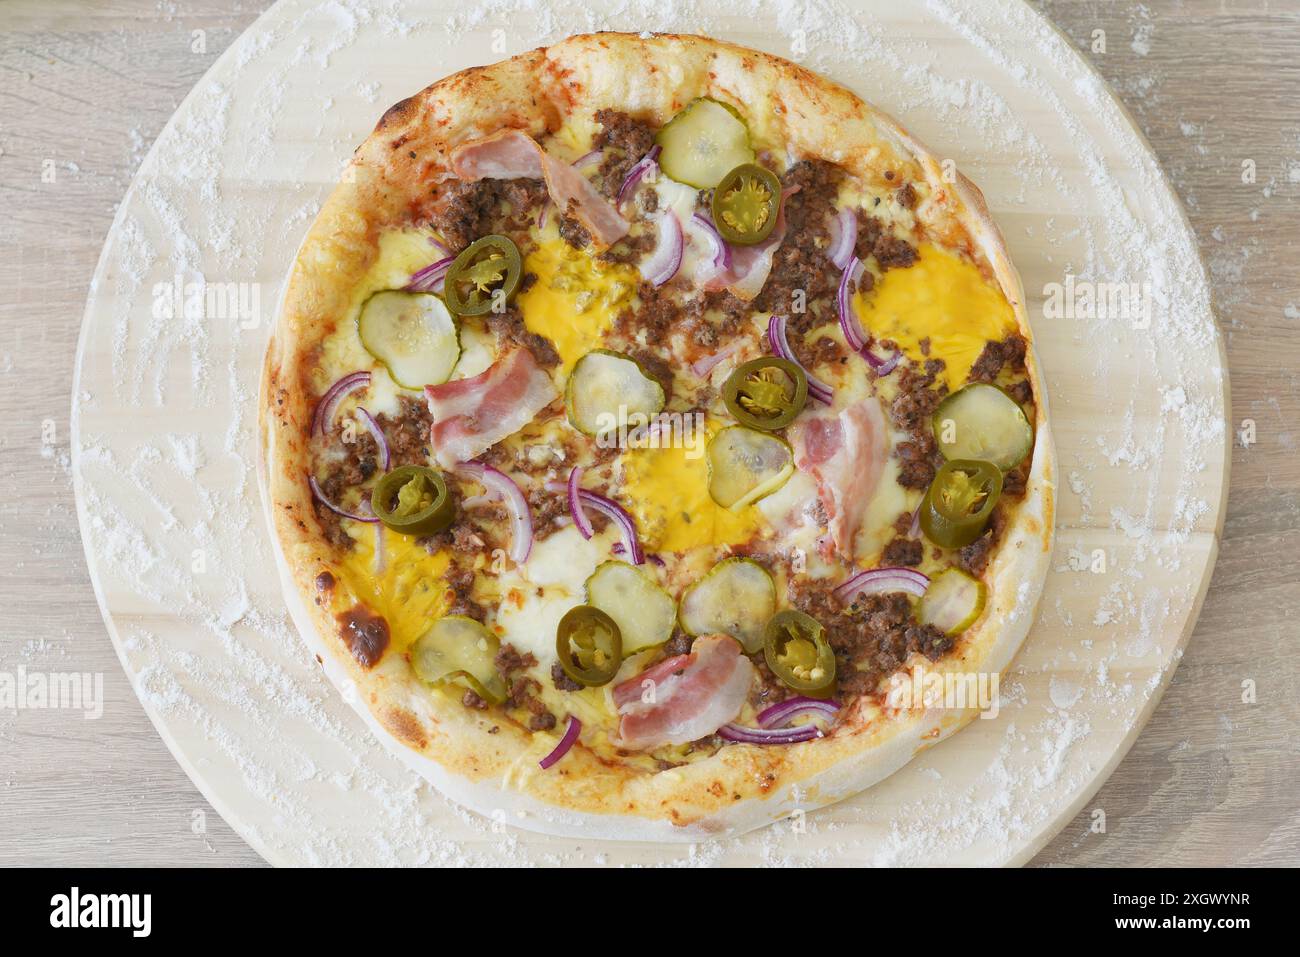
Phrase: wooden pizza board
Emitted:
{"points": [[164, 423]]}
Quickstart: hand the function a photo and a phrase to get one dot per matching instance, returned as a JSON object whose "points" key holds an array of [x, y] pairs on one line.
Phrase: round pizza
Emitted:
{"points": [[645, 418]]}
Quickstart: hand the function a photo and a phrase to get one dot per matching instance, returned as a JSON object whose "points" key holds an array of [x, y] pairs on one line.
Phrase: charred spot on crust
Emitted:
{"points": [[404, 725], [324, 581], [398, 112], [365, 633]]}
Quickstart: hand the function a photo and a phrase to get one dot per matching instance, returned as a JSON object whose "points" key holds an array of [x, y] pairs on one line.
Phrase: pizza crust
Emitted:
{"points": [[488, 764]]}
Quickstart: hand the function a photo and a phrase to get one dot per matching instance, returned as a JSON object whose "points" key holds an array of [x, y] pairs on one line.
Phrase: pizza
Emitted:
{"points": [[643, 412]]}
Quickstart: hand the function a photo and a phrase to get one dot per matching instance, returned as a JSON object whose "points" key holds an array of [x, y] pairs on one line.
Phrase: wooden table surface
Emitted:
{"points": [[85, 88]]}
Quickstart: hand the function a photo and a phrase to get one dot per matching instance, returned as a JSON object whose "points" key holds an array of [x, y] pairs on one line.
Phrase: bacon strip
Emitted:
{"points": [[845, 454], [693, 695], [471, 415], [751, 265], [511, 154]]}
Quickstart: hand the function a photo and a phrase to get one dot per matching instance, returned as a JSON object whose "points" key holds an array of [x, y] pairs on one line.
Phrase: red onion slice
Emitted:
{"points": [[323, 418], [853, 334], [430, 278], [503, 487], [376, 433], [586, 159], [882, 581], [844, 237], [614, 512], [705, 364], [570, 736], [881, 367], [542, 212], [779, 715], [743, 735], [661, 265], [781, 347], [337, 509], [440, 246], [624, 522], [635, 174], [721, 251], [580, 520]]}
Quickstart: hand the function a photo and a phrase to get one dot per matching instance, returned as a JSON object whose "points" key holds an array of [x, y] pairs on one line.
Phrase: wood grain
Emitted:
{"points": [[89, 88]]}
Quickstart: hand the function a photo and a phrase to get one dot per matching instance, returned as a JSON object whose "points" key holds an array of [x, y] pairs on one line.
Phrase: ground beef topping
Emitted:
{"points": [[1010, 351], [625, 140], [572, 231], [465, 212], [799, 270], [655, 314], [523, 695], [872, 638], [656, 368], [892, 252], [408, 431], [460, 579], [975, 556], [631, 248], [679, 644], [918, 397], [903, 551], [353, 458], [561, 680], [508, 327], [550, 512], [1015, 481]]}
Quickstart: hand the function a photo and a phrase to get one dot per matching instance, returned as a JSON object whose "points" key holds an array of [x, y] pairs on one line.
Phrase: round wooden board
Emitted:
{"points": [[164, 422]]}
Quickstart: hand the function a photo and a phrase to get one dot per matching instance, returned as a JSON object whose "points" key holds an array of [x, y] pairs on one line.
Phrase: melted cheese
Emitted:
{"points": [[941, 297], [667, 491], [574, 299], [410, 593]]}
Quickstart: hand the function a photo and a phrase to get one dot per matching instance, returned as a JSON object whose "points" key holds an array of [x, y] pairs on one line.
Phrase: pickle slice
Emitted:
{"points": [[703, 143], [608, 389], [982, 422], [412, 334], [746, 465], [643, 611], [736, 598], [953, 602], [460, 650]]}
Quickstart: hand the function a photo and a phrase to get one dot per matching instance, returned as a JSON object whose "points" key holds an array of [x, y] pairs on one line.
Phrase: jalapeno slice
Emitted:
{"points": [[796, 649], [589, 645], [487, 272], [746, 203], [413, 500], [959, 502], [766, 393]]}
